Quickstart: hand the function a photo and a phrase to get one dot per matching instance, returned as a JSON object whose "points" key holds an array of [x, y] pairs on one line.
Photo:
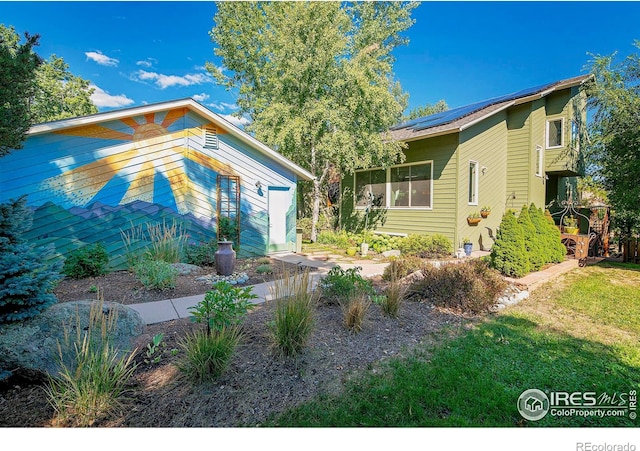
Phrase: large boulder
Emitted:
{"points": [[33, 345]]}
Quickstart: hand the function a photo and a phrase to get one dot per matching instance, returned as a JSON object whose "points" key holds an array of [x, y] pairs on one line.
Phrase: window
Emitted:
{"points": [[210, 136], [371, 186], [539, 160], [555, 133], [411, 186], [473, 183], [404, 186]]}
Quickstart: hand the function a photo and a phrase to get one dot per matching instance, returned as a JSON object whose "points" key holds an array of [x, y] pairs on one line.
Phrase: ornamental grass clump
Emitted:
{"points": [[293, 320], [208, 355], [354, 311], [94, 374], [393, 298]]}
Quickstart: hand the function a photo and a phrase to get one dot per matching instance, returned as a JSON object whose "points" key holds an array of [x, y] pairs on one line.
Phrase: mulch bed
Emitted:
{"points": [[258, 383]]}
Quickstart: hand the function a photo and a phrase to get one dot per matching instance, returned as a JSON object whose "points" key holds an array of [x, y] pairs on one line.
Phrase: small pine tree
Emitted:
{"points": [[535, 251], [26, 278], [508, 253]]}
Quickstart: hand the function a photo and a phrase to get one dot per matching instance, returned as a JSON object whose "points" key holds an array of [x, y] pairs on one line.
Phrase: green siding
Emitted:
{"points": [[536, 188], [441, 218], [485, 143], [518, 155]]}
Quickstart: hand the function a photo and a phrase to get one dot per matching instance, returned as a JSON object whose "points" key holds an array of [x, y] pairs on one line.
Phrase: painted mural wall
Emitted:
{"points": [[93, 183]]}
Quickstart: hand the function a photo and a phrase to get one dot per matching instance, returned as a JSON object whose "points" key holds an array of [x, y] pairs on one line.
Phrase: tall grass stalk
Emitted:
{"points": [[154, 242], [93, 375], [354, 311], [207, 356], [294, 312], [395, 294]]}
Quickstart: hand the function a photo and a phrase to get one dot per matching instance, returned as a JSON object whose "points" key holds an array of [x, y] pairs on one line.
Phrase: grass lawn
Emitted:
{"points": [[578, 334]]}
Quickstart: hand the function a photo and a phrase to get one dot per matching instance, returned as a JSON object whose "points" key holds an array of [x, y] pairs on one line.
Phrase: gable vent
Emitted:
{"points": [[210, 137]]}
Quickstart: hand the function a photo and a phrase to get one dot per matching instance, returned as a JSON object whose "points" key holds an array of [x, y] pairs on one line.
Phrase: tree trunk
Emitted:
{"points": [[315, 202]]}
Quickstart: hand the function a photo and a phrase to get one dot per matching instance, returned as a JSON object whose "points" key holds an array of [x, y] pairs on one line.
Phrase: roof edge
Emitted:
{"points": [[48, 127]]}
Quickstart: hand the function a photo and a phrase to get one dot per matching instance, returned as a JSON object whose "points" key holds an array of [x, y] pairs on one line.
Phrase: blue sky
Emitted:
{"points": [[145, 52]]}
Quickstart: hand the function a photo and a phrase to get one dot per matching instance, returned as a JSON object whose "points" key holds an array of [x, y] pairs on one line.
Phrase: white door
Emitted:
{"points": [[279, 200]]}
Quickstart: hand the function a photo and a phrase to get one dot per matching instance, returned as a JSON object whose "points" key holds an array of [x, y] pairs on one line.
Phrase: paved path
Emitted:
{"points": [[170, 309]]}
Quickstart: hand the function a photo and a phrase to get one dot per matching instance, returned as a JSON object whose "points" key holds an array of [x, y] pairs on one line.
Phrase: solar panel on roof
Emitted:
{"points": [[454, 114]]}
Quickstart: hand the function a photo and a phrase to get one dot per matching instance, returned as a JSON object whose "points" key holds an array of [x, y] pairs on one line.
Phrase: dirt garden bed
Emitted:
{"points": [[257, 384]]}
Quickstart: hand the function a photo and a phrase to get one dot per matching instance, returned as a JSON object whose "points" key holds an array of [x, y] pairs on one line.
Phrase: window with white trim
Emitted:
{"points": [[402, 186], [370, 187], [210, 137], [539, 160], [473, 183], [555, 133]]}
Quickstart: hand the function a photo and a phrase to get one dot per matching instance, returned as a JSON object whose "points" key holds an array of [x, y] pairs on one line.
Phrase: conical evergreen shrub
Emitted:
{"points": [[533, 245], [508, 253], [557, 251], [26, 277]]}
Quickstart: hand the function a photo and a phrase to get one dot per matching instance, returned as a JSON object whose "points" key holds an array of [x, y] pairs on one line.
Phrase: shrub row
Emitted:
{"points": [[424, 246], [526, 243]]}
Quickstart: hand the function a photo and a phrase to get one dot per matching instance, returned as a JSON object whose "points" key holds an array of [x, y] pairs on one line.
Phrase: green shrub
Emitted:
{"points": [[341, 239], [264, 269], [223, 306], [508, 253], [557, 251], [156, 274], [470, 286], [533, 246], [340, 284], [228, 230], [201, 254], [27, 274], [87, 261], [426, 246], [402, 266], [92, 383], [294, 313], [207, 355]]}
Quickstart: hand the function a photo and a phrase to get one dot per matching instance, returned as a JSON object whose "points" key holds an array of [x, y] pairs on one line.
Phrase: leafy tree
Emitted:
{"points": [[614, 153], [427, 110], [26, 277], [18, 65], [59, 93], [316, 80], [35, 91]]}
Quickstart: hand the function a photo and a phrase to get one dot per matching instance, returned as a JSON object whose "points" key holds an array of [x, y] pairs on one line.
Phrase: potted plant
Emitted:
{"points": [[467, 245], [570, 225], [474, 218], [484, 211]]}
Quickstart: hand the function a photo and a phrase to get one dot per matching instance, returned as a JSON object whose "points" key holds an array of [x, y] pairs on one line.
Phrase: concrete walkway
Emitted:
{"points": [[171, 309]]}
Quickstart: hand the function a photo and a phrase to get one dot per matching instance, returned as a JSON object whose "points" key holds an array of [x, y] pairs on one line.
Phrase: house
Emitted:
{"points": [[503, 153], [89, 179]]}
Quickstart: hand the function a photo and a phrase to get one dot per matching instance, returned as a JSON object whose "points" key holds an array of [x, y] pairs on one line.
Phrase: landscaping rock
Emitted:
{"points": [[233, 279], [392, 253], [511, 296], [185, 269], [32, 345]]}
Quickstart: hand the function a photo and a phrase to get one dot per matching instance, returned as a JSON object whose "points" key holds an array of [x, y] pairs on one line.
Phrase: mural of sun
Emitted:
{"points": [[138, 158]]}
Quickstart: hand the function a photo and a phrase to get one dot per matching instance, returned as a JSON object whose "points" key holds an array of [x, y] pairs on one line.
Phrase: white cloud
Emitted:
{"points": [[238, 122], [147, 62], [101, 58], [166, 81], [200, 97], [222, 106], [101, 98]]}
